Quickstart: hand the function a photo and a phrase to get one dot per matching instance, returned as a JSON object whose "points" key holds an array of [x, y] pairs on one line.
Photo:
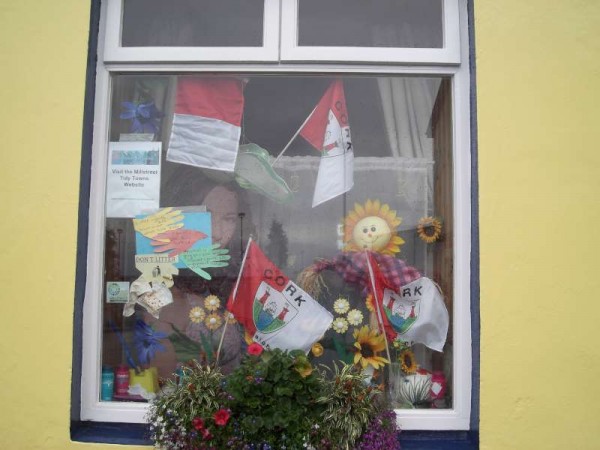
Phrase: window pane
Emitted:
{"points": [[402, 176], [380, 23], [192, 23]]}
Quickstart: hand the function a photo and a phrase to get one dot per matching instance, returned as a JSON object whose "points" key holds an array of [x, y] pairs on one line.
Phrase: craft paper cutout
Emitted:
{"points": [[177, 241], [203, 258], [192, 221], [162, 221], [152, 297], [157, 269]]}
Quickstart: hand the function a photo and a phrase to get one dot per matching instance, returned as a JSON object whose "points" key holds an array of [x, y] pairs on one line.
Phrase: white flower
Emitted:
{"points": [[340, 325], [341, 305], [355, 317]]}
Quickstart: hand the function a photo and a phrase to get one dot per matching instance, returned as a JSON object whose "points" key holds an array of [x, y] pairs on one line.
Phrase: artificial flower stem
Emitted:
{"points": [[378, 306], [235, 289]]}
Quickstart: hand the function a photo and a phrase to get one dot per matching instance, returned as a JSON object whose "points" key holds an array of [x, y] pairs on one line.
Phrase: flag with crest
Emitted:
{"points": [[274, 310]]}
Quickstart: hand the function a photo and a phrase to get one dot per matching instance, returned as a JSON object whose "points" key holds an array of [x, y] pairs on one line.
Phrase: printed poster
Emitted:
{"points": [[133, 179]]}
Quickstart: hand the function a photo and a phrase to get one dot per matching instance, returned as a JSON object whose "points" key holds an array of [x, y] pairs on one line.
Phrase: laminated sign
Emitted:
{"points": [[274, 310]]}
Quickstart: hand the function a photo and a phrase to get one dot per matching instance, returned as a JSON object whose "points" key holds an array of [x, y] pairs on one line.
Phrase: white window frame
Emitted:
{"points": [[455, 418], [448, 54]]}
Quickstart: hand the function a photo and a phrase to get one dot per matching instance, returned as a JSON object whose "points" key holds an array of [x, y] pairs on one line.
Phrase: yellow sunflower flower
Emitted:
{"points": [[341, 305], [197, 314], [408, 362], [369, 343], [212, 303], [355, 317], [429, 229], [340, 325], [213, 321]]}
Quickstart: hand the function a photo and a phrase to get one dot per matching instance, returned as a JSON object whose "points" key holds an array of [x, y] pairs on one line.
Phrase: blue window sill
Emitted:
{"points": [[137, 434]]}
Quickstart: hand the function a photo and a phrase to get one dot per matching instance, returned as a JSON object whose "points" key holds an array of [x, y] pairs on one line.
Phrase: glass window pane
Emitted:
{"points": [[380, 23], [192, 23], [399, 207]]}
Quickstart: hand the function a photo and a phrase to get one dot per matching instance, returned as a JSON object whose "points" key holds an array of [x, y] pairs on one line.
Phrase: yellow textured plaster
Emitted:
{"points": [[538, 67]]}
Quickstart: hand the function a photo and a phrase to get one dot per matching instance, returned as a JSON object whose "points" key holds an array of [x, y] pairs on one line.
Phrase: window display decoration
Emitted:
{"points": [[162, 221], [429, 229], [151, 296], [339, 325], [145, 116], [274, 399], [253, 171], [212, 303], [372, 227], [341, 305], [355, 317], [414, 312], [274, 309], [147, 342], [368, 343], [197, 314], [207, 122]]}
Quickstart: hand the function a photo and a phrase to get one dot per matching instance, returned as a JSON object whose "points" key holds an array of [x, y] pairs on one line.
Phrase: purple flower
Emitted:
{"points": [[147, 341], [144, 116]]}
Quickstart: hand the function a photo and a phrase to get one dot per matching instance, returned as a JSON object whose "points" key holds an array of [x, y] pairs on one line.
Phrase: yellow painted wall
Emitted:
{"points": [[538, 96], [538, 83]]}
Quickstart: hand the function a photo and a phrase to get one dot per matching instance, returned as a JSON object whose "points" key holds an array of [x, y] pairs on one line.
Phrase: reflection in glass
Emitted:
{"points": [[401, 135], [192, 23], [380, 23]]}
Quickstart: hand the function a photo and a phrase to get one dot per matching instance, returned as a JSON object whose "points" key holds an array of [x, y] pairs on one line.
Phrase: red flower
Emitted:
{"points": [[255, 349], [206, 435], [221, 417], [198, 423]]}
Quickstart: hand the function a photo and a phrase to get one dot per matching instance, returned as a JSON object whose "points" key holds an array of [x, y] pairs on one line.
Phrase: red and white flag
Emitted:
{"points": [[274, 310], [328, 130], [207, 122], [414, 313]]}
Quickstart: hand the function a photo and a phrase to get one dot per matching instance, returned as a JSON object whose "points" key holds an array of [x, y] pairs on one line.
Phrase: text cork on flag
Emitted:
{"points": [[274, 310], [207, 122], [328, 130], [415, 312]]}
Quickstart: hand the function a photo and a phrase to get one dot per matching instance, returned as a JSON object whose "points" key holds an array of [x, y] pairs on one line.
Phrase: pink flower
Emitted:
{"points": [[255, 349], [206, 435], [221, 417], [198, 423]]}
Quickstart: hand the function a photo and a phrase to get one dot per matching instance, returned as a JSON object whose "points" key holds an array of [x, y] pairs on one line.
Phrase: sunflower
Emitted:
{"points": [[408, 361], [197, 314], [213, 321], [355, 317], [340, 325], [369, 343], [341, 305], [374, 227], [212, 303], [429, 229]]}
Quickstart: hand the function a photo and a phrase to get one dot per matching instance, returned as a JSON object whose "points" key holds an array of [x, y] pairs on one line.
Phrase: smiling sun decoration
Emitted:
{"points": [[372, 227]]}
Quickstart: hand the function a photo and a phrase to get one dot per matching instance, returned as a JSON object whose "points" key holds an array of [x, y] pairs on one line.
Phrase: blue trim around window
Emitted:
{"points": [[137, 434]]}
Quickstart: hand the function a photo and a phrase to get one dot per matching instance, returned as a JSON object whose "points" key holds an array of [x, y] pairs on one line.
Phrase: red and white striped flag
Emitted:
{"points": [[207, 122], [328, 130]]}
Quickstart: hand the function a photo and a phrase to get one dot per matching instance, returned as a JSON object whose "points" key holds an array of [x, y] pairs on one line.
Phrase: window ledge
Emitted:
{"points": [[137, 434]]}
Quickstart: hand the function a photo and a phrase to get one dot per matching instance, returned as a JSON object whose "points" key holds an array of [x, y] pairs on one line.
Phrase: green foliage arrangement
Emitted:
{"points": [[273, 400]]}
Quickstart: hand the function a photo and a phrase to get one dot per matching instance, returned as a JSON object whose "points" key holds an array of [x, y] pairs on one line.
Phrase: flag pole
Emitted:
{"points": [[378, 306], [293, 137], [235, 289]]}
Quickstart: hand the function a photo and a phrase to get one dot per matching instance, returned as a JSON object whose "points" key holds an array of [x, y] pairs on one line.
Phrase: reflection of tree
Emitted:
{"points": [[277, 248]]}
